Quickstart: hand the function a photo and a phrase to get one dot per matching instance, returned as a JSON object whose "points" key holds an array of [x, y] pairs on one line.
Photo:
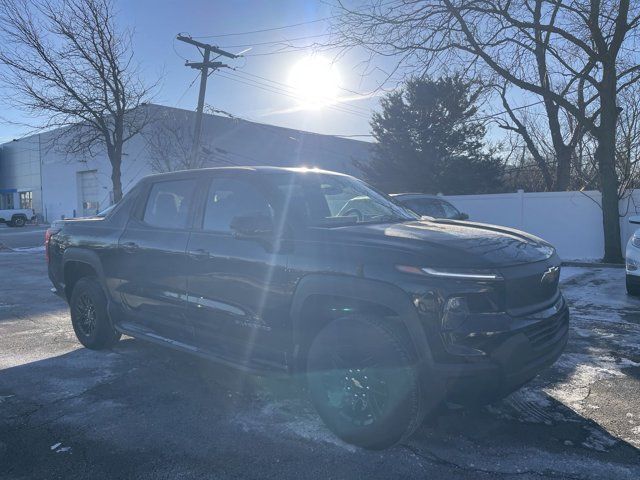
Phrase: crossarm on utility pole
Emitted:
{"points": [[204, 67]]}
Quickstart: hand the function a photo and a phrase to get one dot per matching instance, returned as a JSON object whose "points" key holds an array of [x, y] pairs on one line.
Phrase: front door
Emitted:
{"points": [[237, 295], [152, 262]]}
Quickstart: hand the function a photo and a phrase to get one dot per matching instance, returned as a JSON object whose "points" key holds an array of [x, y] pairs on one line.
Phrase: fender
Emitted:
{"points": [[76, 254], [372, 291]]}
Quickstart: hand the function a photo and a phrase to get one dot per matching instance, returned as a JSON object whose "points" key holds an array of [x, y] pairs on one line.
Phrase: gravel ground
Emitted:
{"points": [[141, 411]]}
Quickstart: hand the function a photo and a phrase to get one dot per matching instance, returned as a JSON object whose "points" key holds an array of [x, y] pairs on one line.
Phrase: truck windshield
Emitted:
{"points": [[325, 200]]}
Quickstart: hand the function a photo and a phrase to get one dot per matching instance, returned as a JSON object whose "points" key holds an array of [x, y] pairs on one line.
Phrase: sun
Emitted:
{"points": [[315, 81]]}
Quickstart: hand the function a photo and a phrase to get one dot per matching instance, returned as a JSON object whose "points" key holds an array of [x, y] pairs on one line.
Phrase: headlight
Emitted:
{"points": [[455, 313], [635, 241], [466, 273]]}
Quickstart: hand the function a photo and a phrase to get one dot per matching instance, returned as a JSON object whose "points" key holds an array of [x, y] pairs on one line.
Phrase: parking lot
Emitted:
{"points": [[141, 411]]}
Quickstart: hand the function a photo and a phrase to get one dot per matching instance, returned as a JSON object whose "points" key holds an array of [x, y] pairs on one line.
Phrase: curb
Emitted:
{"points": [[592, 264]]}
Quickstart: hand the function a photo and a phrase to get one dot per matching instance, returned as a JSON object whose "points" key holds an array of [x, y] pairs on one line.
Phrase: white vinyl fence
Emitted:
{"points": [[571, 221]]}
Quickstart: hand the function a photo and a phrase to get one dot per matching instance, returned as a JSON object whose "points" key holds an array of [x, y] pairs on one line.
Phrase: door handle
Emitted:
{"points": [[129, 246], [200, 254]]}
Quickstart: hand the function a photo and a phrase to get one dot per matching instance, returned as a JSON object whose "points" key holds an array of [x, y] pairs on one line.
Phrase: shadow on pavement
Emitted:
{"points": [[143, 410]]}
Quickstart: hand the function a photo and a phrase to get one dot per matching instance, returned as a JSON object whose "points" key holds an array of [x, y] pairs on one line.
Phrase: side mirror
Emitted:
{"points": [[252, 226], [463, 216], [634, 219]]}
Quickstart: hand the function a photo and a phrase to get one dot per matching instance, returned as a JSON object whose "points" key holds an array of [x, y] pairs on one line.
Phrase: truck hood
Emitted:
{"points": [[451, 243]]}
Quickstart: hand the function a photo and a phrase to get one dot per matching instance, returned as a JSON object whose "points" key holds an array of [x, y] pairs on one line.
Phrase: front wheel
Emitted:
{"points": [[89, 316], [365, 383], [18, 222]]}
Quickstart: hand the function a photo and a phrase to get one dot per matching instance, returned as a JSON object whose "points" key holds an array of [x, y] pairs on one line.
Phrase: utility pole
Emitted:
{"points": [[204, 67]]}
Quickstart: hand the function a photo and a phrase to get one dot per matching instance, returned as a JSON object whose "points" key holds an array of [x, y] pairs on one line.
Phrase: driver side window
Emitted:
{"points": [[229, 198]]}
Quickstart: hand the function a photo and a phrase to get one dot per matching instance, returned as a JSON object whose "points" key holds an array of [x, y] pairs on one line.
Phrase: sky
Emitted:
{"points": [[156, 24]]}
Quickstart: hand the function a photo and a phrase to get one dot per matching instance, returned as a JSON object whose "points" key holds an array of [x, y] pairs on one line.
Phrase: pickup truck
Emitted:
{"points": [[385, 314], [17, 217]]}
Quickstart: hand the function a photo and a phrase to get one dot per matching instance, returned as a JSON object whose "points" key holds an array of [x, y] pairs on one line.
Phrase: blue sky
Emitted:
{"points": [[156, 24]]}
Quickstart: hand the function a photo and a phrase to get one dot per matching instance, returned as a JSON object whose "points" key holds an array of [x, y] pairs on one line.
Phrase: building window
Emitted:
{"points": [[7, 201], [26, 200]]}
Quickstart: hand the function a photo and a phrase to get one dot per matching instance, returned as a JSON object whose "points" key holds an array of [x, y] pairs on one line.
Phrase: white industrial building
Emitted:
{"points": [[34, 173]]}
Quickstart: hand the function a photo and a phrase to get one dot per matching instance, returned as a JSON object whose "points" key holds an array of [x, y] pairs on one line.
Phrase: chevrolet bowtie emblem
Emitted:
{"points": [[550, 276]]}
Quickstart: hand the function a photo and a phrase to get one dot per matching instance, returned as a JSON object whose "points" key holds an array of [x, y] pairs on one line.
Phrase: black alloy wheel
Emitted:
{"points": [[365, 382], [89, 316]]}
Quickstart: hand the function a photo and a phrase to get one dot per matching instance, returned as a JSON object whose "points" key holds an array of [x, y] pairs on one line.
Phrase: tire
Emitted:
{"points": [[365, 383], [18, 222], [633, 288], [89, 317]]}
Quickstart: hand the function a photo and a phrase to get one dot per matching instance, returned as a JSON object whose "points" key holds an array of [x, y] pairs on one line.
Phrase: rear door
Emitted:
{"points": [[152, 260]]}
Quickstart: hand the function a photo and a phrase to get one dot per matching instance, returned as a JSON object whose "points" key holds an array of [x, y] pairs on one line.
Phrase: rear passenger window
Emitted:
{"points": [[229, 198], [169, 204]]}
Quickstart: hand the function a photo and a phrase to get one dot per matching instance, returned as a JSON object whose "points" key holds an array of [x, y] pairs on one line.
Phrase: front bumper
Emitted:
{"points": [[515, 357]]}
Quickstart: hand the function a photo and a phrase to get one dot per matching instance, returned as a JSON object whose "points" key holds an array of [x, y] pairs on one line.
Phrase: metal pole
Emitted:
{"points": [[197, 131], [204, 73]]}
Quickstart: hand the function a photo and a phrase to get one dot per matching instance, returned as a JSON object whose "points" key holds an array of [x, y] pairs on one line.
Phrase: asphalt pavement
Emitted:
{"points": [[29, 236], [142, 411]]}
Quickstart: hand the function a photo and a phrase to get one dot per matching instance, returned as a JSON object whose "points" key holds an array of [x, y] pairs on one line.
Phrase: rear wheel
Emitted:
{"points": [[89, 315], [18, 222], [365, 383], [633, 285]]}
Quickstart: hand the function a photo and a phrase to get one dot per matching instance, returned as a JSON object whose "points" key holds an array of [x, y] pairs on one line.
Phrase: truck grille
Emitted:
{"points": [[525, 289], [545, 332]]}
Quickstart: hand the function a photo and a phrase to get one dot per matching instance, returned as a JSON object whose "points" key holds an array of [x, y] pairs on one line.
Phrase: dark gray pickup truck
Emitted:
{"points": [[385, 314]]}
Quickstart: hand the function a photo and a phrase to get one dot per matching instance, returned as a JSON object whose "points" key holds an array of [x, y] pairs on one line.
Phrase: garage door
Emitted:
{"points": [[89, 192]]}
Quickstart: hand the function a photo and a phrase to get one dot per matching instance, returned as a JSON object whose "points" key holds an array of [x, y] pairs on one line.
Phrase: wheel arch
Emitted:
{"points": [[317, 295], [79, 263]]}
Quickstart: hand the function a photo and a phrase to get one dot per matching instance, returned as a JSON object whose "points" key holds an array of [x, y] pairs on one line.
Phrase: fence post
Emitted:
{"points": [[521, 195]]}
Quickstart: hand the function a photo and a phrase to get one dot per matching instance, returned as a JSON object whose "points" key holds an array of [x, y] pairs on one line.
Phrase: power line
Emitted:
{"points": [[275, 42], [365, 110], [273, 29], [187, 89], [284, 27], [280, 91], [290, 91], [278, 52]]}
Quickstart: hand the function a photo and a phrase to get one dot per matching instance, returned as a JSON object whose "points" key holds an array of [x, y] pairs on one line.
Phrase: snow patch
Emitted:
{"points": [[28, 249], [287, 417], [584, 370]]}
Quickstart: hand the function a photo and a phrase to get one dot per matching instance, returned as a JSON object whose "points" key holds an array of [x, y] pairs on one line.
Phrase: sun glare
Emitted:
{"points": [[315, 82]]}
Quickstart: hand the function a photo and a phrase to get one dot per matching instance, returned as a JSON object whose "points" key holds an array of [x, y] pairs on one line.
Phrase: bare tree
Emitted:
{"points": [[67, 65], [170, 142], [573, 55]]}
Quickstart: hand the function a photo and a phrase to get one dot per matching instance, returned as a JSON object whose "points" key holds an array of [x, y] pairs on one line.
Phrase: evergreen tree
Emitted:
{"points": [[429, 141]]}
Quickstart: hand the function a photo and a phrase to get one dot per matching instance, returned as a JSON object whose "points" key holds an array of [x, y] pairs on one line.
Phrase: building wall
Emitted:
{"points": [[571, 221], [20, 169], [61, 177]]}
